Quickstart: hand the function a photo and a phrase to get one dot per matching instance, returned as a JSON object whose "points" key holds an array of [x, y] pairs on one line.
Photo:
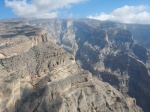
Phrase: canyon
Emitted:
{"points": [[104, 67]]}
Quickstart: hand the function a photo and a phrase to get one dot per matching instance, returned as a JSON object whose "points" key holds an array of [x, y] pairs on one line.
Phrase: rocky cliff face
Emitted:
{"points": [[36, 75], [19, 44], [141, 34], [108, 50]]}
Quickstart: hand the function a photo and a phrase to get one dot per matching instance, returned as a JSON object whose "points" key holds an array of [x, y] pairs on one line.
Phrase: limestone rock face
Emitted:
{"points": [[46, 78], [141, 34], [109, 50], [43, 77], [24, 37]]}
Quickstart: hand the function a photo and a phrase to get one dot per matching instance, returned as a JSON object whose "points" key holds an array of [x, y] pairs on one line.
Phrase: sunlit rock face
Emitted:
{"points": [[24, 37], [38, 75]]}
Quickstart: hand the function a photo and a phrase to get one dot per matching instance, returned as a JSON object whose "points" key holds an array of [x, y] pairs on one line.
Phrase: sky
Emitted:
{"points": [[125, 11]]}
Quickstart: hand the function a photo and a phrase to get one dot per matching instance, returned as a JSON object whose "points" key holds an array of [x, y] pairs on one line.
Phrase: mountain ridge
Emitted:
{"points": [[47, 78]]}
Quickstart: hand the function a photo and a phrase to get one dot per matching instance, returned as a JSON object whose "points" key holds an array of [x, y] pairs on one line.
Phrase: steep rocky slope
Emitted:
{"points": [[141, 33], [108, 50], [36, 75]]}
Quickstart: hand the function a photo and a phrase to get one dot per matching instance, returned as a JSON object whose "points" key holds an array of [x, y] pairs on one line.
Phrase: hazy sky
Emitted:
{"points": [[127, 11]]}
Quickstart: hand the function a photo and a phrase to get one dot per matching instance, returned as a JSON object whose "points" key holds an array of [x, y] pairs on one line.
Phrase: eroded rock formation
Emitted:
{"points": [[22, 42], [44, 77], [108, 50]]}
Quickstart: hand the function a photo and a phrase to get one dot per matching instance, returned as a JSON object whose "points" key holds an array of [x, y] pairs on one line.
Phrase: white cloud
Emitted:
{"points": [[126, 14], [39, 8]]}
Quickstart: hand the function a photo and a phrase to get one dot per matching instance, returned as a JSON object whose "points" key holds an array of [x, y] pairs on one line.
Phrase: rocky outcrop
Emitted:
{"points": [[22, 42], [47, 78]]}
